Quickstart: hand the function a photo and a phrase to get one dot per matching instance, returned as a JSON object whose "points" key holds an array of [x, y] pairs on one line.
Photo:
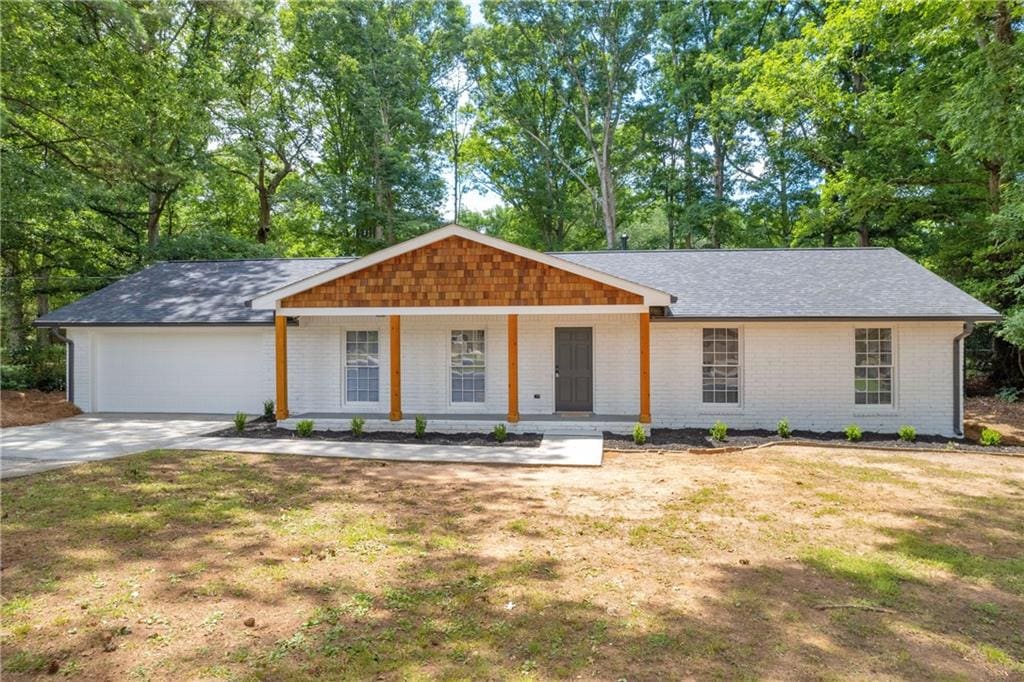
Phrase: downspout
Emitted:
{"points": [[70, 345], [957, 376]]}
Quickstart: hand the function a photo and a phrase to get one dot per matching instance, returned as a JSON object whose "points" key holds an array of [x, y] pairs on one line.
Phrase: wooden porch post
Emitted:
{"points": [[645, 368], [281, 363], [513, 368], [395, 341]]}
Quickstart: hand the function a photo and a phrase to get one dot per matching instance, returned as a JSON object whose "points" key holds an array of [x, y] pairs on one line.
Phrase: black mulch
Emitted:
{"points": [[686, 439], [263, 428]]}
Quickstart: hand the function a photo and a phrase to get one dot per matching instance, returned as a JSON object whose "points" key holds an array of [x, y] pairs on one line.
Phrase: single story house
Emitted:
{"points": [[468, 331]]}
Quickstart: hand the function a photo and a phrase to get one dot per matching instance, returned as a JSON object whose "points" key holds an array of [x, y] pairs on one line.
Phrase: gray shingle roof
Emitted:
{"points": [[728, 284], [790, 283], [193, 292]]}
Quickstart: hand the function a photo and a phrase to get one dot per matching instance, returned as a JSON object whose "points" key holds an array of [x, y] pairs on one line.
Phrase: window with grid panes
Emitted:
{"points": [[721, 365], [468, 366], [872, 371], [362, 367]]}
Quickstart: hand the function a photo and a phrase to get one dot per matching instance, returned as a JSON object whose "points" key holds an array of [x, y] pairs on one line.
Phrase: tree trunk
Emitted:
{"points": [[863, 235], [719, 157], [43, 304], [156, 208], [995, 180], [787, 228], [608, 203], [455, 183], [263, 231], [15, 322]]}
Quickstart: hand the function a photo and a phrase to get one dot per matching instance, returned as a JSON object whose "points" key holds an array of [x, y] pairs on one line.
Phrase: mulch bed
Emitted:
{"points": [[690, 439], [24, 408], [263, 428]]}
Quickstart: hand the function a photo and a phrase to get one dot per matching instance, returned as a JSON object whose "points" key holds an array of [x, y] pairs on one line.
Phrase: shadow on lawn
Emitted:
{"points": [[449, 605]]}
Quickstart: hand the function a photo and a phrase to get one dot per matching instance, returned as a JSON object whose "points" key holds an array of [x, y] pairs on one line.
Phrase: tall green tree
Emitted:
{"points": [[595, 52], [376, 69]]}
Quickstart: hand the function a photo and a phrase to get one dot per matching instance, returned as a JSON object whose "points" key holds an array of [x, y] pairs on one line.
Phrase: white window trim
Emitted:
{"points": [[487, 354], [874, 410], [720, 408], [344, 369]]}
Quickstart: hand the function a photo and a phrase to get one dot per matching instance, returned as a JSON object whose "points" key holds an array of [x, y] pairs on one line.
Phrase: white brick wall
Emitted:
{"points": [[804, 372], [616, 362], [797, 370], [82, 339]]}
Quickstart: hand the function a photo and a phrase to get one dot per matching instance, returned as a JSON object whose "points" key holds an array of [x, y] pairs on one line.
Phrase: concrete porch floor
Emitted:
{"points": [[559, 423]]}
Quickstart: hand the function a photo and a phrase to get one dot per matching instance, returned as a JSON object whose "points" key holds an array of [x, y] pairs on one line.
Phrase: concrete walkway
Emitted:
{"points": [[86, 438], [31, 449], [554, 449]]}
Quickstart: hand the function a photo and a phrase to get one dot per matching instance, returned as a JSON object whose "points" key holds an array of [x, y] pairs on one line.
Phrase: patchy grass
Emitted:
{"points": [[791, 563]]}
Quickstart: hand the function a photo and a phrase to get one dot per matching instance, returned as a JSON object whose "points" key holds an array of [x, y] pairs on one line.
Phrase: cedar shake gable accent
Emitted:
{"points": [[456, 271]]}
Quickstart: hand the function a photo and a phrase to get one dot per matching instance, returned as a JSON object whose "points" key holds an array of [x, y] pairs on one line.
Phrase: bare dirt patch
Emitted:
{"points": [[789, 563], [24, 408], [990, 412]]}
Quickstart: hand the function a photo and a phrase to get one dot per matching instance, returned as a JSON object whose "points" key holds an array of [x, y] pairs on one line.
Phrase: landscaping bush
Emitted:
{"points": [[268, 409], [853, 433], [15, 377], [34, 367], [639, 435], [240, 419], [782, 428], [358, 423], [719, 431], [304, 428], [991, 437], [1009, 394], [421, 426], [500, 433], [907, 433]]}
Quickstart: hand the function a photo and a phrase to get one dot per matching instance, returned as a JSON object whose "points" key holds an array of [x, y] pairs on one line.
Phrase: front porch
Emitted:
{"points": [[471, 423], [467, 331]]}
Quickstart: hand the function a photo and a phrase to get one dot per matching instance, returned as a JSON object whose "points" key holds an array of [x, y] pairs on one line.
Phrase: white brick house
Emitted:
{"points": [[470, 331]]}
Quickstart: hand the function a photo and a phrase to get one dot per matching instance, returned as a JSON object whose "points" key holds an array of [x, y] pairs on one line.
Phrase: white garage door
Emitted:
{"points": [[213, 371]]}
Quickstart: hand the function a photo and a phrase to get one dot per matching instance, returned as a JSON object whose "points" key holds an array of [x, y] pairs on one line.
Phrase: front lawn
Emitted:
{"points": [[781, 562]]}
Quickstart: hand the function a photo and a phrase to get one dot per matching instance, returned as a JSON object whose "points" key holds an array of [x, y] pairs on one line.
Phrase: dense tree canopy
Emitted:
{"points": [[135, 131]]}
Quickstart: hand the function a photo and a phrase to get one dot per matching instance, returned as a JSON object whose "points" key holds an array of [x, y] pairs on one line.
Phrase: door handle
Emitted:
{"points": [[556, 371]]}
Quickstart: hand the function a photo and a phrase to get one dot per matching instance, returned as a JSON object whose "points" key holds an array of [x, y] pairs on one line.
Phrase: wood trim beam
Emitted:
{"points": [[281, 366], [645, 368], [395, 344], [513, 368]]}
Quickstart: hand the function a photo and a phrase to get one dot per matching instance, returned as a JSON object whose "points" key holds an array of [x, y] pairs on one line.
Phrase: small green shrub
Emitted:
{"points": [[268, 409], [1009, 394], [304, 428], [782, 428], [358, 424], [15, 377], [719, 431], [240, 419], [991, 437], [35, 367], [639, 435], [907, 433], [853, 433], [500, 433], [421, 426]]}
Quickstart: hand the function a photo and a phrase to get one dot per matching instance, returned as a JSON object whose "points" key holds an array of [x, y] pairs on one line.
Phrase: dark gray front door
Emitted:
{"points": [[574, 369]]}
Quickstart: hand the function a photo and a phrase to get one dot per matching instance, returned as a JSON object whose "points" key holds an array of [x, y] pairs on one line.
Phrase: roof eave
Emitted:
{"points": [[829, 318]]}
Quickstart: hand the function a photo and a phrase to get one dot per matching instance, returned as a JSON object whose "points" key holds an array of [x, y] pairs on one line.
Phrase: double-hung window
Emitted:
{"points": [[468, 366], [721, 365], [872, 371], [362, 367]]}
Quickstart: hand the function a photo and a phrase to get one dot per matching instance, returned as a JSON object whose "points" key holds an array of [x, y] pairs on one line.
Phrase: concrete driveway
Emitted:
{"points": [[30, 449]]}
